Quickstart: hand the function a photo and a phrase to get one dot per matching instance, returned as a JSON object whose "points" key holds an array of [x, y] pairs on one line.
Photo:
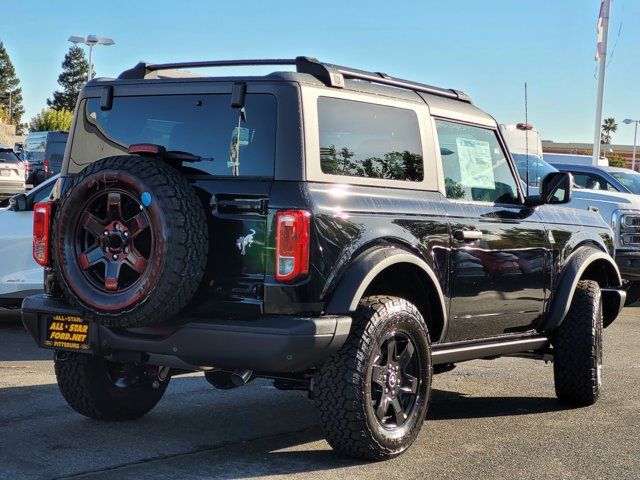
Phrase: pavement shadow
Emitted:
{"points": [[446, 405], [244, 433]]}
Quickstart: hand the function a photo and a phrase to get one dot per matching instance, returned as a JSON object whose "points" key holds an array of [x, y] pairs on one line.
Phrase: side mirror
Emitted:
{"points": [[19, 202], [556, 188]]}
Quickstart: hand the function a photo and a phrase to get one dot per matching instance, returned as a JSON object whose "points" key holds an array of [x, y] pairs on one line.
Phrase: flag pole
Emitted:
{"points": [[602, 56]]}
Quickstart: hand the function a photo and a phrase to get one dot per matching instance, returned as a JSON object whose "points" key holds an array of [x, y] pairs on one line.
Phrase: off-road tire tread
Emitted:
{"points": [[183, 272], [575, 347], [633, 293], [74, 374], [336, 388]]}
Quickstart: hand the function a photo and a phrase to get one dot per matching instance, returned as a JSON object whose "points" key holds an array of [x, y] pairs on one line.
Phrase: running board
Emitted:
{"points": [[454, 353]]}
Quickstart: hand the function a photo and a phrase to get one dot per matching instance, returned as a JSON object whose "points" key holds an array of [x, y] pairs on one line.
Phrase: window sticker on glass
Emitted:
{"points": [[476, 167]]}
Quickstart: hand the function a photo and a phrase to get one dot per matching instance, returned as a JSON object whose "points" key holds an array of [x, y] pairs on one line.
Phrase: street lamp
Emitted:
{"points": [[628, 121], [91, 41]]}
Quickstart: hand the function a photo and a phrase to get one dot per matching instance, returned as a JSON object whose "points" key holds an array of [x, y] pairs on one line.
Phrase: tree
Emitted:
{"points": [[609, 127], [10, 92], [51, 120], [75, 69]]}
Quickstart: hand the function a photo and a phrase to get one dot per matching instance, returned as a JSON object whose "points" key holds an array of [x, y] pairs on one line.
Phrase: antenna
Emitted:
{"points": [[526, 135]]}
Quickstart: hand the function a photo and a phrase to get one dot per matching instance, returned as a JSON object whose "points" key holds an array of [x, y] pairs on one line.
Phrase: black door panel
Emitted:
{"points": [[499, 270]]}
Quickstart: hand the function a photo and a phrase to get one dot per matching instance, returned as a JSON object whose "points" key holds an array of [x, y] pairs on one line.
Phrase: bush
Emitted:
{"points": [[616, 160]]}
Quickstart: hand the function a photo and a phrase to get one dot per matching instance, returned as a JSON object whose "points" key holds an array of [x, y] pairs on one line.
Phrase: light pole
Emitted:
{"points": [[91, 41], [629, 121]]}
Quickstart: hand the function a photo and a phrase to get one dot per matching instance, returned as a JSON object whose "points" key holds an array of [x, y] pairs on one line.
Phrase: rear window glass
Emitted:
{"points": [[34, 147], [360, 139], [8, 157], [202, 125], [55, 152]]}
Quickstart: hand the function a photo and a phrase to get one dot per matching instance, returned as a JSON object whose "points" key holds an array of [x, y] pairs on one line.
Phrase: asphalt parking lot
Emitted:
{"points": [[488, 419]]}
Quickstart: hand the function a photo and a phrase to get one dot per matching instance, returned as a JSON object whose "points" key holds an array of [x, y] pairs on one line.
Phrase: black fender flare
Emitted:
{"points": [[366, 267], [576, 265]]}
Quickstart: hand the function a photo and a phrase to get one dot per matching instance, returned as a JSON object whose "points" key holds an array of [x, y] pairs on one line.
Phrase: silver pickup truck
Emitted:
{"points": [[620, 210]]}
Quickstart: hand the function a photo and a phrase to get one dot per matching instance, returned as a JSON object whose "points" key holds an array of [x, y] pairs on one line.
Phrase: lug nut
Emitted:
{"points": [[105, 233], [126, 249], [116, 226], [386, 390], [115, 257], [126, 234]]}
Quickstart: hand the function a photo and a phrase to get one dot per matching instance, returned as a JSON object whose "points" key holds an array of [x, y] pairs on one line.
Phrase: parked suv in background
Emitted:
{"points": [[43, 152], [11, 173], [20, 275], [619, 209], [338, 231]]}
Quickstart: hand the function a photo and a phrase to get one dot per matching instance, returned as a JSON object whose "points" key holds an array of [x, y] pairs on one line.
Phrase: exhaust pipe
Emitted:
{"points": [[241, 377]]}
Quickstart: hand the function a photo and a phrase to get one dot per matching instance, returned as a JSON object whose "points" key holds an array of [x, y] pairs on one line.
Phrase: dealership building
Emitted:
{"points": [[625, 151]]}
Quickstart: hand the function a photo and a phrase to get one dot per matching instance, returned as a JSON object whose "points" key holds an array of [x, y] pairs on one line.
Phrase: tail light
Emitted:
{"points": [[292, 244], [42, 213], [45, 164]]}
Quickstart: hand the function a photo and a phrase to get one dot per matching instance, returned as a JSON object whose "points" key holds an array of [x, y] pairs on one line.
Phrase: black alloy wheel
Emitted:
{"points": [[113, 241], [395, 380]]}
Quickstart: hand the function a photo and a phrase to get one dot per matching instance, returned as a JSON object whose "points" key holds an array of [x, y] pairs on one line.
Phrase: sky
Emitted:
{"points": [[488, 49]]}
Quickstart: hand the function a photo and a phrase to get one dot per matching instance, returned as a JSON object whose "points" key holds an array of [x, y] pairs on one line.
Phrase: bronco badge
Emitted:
{"points": [[245, 242]]}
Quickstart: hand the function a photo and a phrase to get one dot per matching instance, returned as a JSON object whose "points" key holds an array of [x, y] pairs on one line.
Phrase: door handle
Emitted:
{"points": [[467, 235]]}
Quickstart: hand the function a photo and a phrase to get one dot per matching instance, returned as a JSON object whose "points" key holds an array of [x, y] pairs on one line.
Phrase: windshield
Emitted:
{"points": [[538, 168], [629, 179]]}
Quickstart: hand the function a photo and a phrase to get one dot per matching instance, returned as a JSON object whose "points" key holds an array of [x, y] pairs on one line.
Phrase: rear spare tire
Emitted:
{"points": [[130, 241]]}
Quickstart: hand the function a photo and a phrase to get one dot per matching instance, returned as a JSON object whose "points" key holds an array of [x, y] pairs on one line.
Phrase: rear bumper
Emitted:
{"points": [[8, 189], [629, 264], [265, 344]]}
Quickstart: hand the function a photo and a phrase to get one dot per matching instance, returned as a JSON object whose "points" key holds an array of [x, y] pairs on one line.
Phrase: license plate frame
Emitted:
{"points": [[67, 332], [5, 172]]}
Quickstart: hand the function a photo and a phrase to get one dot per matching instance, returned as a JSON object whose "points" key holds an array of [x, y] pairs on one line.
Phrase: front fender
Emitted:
{"points": [[366, 267], [587, 263]]}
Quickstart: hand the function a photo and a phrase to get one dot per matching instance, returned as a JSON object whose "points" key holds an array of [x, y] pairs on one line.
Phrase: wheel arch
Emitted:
{"points": [[587, 263], [393, 271]]}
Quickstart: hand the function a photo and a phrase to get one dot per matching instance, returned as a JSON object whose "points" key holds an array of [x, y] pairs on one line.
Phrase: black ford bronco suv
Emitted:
{"points": [[338, 231]]}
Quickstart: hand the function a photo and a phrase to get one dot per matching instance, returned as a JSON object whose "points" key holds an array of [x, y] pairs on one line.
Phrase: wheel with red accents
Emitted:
{"points": [[130, 241]]}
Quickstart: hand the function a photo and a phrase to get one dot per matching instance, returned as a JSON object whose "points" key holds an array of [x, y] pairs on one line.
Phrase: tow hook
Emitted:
{"points": [[162, 374]]}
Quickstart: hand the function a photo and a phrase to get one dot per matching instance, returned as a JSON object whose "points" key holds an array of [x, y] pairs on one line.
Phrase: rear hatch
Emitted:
{"points": [[10, 169], [232, 174], [54, 151]]}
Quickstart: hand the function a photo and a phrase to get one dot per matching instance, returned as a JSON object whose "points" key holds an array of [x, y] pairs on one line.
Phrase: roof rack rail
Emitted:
{"points": [[329, 74]]}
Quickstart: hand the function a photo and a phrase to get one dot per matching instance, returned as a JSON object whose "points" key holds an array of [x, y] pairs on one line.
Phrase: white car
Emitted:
{"points": [[20, 275]]}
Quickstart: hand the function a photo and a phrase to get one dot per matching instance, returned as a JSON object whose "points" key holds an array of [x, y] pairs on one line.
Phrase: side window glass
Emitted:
{"points": [[591, 182], [359, 139], [474, 164]]}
